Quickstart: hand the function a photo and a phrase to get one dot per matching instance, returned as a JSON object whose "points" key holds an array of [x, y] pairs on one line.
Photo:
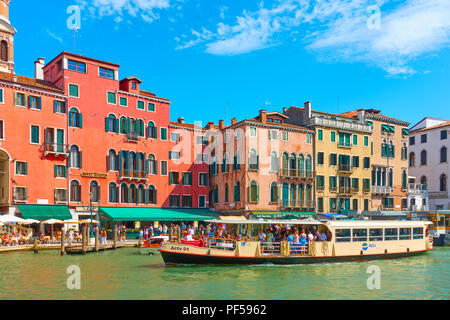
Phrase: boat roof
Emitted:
{"points": [[378, 223], [296, 221]]}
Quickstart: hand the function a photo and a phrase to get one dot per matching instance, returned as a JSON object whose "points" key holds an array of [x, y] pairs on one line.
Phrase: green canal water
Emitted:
{"points": [[127, 274]]}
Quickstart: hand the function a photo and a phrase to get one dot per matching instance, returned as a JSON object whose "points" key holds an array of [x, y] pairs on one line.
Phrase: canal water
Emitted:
{"points": [[133, 274]]}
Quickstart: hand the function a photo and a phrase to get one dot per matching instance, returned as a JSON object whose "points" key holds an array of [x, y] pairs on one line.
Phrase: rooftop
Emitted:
{"points": [[32, 82]]}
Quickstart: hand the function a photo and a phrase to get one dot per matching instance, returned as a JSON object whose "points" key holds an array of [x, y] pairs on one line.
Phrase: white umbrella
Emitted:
{"points": [[52, 221], [2, 224], [70, 222], [89, 221], [31, 221], [11, 219]]}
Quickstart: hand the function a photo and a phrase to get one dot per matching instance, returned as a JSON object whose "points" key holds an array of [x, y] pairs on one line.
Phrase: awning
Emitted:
{"points": [[44, 212], [282, 215], [405, 132], [370, 123], [385, 128], [157, 214]]}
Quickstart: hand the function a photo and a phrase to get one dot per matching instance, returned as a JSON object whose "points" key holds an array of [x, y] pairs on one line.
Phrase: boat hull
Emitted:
{"points": [[170, 257]]}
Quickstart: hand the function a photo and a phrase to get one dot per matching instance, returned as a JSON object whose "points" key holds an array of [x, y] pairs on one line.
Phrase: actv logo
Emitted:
{"points": [[365, 246]]}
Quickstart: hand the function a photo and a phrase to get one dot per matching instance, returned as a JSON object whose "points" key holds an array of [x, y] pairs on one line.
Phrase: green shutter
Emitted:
{"points": [[39, 103], [107, 124], [56, 171], [80, 117]]}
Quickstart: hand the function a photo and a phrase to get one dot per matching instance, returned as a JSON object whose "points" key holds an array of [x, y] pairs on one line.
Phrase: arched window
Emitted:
{"points": [[133, 164], [443, 182], [253, 160], [412, 159], [226, 192], [285, 195], [111, 124], [309, 201], [123, 125], [75, 191], [391, 178], [152, 165], [225, 163], [4, 50], [274, 193], [152, 131], [75, 118], [216, 194], [443, 154], [112, 161], [133, 194], [423, 158], [293, 196], [301, 195], [124, 193], [423, 180], [301, 163], [140, 165], [237, 192], [94, 191], [253, 192], [404, 152], [285, 164], [404, 179], [140, 194], [75, 157], [293, 165], [113, 193], [132, 128], [152, 195], [308, 164], [140, 128]]}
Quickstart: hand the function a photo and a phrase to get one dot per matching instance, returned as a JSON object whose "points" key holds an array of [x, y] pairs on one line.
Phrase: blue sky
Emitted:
{"points": [[219, 59]]}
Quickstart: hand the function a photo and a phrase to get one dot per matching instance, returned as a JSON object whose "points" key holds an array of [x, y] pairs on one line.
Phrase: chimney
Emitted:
{"points": [[221, 124], [284, 110], [308, 109], [39, 68], [181, 120], [209, 125], [263, 116], [361, 115], [233, 121]]}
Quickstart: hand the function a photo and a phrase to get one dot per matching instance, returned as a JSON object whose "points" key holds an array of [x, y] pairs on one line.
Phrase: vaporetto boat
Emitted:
{"points": [[350, 241]]}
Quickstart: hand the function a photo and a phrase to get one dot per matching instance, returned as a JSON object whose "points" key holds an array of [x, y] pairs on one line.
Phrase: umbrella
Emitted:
{"points": [[71, 221], [2, 224], [31, 221], [52, 221], [11, 219], [89, 221]]}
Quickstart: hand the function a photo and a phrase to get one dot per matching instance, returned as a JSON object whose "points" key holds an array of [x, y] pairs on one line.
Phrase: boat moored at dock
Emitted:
{"points": [[253, 242]]}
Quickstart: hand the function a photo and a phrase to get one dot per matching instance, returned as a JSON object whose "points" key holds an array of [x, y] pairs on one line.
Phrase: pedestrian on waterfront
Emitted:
{"points": [[146, 234], [103, 234], [150, 231]]}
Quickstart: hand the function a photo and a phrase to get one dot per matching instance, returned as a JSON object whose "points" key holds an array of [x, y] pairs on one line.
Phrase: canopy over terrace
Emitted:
{"points": [[282, 215], [44, 212], [156, 214]]}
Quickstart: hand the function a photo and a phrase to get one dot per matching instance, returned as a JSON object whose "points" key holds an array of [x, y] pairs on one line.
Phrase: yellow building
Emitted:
{"points": [[342, 148]]}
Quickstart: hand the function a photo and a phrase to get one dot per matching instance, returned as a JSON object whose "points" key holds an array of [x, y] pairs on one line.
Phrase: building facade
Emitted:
{"points": [[262, 166], [389, 159], [428, 160], [342, 149]]}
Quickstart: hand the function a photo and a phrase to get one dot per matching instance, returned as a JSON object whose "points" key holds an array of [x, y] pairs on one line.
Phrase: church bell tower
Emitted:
{"points": [[7, 33]]}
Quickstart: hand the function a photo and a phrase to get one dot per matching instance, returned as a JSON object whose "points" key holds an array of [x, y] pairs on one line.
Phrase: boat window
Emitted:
{"points": [[390, 234], [417, 233], [376, 234], [359, 235], [343, 235], [405, 233]]}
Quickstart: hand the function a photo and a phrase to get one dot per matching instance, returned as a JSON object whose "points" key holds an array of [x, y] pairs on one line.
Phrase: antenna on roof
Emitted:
{"points": [[75, 31], [338, 104]]}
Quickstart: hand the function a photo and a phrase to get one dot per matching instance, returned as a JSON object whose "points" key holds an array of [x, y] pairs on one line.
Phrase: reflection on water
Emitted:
{"points": [[130, 274]]}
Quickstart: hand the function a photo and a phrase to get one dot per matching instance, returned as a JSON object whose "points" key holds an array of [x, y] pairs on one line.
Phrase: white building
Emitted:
{"points": [[429, 143]]}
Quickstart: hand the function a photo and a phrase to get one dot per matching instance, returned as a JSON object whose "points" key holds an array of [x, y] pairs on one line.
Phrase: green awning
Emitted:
{"points": [[44, 212], [282, 215], [157, 214], [392, 129], [370, 123], [405, 132]]}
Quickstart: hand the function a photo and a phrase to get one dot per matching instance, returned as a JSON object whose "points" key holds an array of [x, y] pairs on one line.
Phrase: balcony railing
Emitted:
{"points": [[346, 190], [133, 136], [382, 189], [132, 174], [344, 167], [366, 189], [344, 145], [296, 173], [341, 124], [56, 149], [286, 204], [333, 189], [414, 188]]}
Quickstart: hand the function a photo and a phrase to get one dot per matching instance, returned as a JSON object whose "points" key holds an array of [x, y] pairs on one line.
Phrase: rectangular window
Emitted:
{"points": [[141, 105], [174, 137], [21, 168], [59, 106], [376, 234], [203, 180], [34, 102], [106, 73], [151, 107], [366, 163], [417, 233], [74, 91], [285, 136], [423, 138], [174, 155], [355, 140], [20, 194], [112, 97], [366, 141], [412, 141], [123, 102], [320, 204], [333, 136], [35, 135], [186, 201], [405, 234], [359, 235], [77, 66], [164, 168], [1, 96], [333, 159], [20, 99], [355, 162], [320, 160], [444, 135], [202, 201], [164, 134], [253, 132], [174, 178], [343, 235], [344, 139], [174, 201], [187, 178], [390, 234], [309, 138], [320, 135], [60, 195], [60, 171], [273, 135], [2, 134]]}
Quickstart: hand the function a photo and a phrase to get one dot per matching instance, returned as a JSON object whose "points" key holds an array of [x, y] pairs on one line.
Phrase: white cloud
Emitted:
{"points": [[54, 36], [348, 30]]}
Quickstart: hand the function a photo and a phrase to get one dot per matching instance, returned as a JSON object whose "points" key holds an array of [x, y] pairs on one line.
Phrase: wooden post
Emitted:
{"points": [[63, 249], [170, 234], [83, 239], [96, 239], [35, 245], [115, 237], [179, 234]]}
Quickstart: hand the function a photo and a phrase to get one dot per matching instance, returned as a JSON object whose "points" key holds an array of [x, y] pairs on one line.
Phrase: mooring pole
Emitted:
{"points": [[83, 239], [115, 237], [35, 245], [63, 249], [96, 239]]}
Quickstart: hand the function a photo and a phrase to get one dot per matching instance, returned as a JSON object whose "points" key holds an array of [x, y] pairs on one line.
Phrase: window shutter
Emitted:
{"points": [[64, 107], [80, 154], [106, 124], [257, 193], [65, 171], [156, 167], [26, 100], [39, 101], [257, 162], [56, 170], [248, 194], [55, 106], [16, 99], [26, 194], [146, 196], [80, 118]]}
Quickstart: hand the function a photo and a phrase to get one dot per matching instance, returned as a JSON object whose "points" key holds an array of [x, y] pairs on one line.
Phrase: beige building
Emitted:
{"points": [[7, 32], [342, 151], [389, 155]]}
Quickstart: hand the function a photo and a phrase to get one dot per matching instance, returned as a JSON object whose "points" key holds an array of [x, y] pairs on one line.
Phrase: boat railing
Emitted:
{"points": [[298, 249], [270, 248], [224, 244]]}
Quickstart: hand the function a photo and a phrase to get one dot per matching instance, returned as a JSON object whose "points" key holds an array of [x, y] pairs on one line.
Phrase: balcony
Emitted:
{"points": [[304, 205], [333, 189], [382, 190], [344, 145], [56, 149], [126, 174], [344, 167], [417, 189], [296, 173], [366, 190], [133, 137], [341, 124], [346, 190]]}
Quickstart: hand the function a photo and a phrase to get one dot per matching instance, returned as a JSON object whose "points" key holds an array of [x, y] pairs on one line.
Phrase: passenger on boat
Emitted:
{"points": [[310, 236], [262, 236]]}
